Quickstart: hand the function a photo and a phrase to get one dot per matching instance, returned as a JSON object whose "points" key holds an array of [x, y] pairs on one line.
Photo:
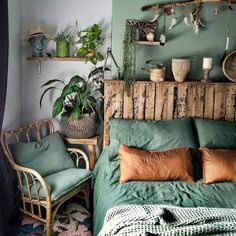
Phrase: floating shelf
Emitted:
{"points": [[148, 43], [55, 59], [38, 60]]}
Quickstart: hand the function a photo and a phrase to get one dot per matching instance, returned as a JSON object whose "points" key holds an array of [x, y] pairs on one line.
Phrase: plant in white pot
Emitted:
{"points": [[77, 104], [155, 69]]}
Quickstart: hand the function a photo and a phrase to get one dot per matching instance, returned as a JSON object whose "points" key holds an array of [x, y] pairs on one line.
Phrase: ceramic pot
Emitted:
{"points": [[180, 69], [157, 75], [62, 49]]}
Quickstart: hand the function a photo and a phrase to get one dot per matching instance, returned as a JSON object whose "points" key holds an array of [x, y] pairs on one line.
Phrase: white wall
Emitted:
{"points": [[12, 115], [54, 15]]}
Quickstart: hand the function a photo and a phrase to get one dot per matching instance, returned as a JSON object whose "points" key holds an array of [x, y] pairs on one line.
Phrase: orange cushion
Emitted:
{"points": [[219, 165], [143, 165]]}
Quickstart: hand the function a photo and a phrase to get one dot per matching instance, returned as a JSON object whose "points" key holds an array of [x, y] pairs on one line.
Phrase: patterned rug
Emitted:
{"points": [[72, 219]]}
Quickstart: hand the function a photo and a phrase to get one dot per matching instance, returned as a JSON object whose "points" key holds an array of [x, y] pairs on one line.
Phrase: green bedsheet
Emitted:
{"points": [[109, 193]]}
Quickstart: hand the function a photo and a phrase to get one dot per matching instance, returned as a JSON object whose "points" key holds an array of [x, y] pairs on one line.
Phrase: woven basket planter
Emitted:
{"points": [[83, 127]]}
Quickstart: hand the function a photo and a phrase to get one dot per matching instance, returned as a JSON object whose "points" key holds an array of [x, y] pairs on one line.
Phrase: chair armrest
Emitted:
{"points": [[36, 183], [79, 154]]}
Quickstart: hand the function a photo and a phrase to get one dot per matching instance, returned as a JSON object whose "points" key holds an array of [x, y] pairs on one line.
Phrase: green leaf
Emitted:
{"points": [[68, 90], [76, 112], [58, 106], [45, 91], [93, 60], [75, 80], [52, 81], [95, 27], [83, 51], [97, 71]]}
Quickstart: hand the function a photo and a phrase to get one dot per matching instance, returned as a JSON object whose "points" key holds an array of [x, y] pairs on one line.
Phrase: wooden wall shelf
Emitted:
{"points": [[154, 43], [38, 60], [55, 59]]}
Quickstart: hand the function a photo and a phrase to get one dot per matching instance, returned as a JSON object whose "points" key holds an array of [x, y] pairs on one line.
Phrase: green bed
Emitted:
{"points": [[109, 193]]}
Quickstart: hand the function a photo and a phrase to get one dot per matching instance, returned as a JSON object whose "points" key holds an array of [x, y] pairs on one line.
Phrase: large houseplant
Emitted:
{"points": [[77, 104], [90, 39]]}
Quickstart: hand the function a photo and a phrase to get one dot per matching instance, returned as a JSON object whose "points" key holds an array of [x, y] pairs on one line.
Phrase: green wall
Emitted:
{"points": [[181, 40]]}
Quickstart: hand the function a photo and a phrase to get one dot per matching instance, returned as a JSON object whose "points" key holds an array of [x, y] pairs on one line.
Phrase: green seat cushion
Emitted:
{"points": [[61, 183], [216, 134], [47, 156], [152, 135]]}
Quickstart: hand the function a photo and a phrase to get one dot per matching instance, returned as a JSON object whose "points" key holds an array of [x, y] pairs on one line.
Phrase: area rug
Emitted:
{"points": [[72, 219]]}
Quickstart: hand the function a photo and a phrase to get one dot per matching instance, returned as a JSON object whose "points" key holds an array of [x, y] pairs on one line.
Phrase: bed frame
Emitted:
{"points": [[168, 100]]}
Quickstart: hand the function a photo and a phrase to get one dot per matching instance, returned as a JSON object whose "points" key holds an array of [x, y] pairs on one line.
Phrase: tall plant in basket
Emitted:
{"points": [[77, 104]]}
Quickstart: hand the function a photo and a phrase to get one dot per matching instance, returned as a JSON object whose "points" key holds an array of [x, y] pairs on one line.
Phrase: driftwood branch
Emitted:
{"points": [[185, 3]]}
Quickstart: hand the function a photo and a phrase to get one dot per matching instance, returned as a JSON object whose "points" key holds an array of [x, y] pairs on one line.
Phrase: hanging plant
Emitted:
{"points": [[129, 57]]}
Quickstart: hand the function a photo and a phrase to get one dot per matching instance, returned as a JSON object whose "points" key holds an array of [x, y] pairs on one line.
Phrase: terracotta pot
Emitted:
{"points": [[180, 69], [157, 75]]}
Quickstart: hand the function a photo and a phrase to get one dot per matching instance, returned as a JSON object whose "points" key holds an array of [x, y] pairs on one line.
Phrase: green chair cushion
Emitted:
{"points": [[152, 135], [61, 183], [47, 156], [216, 134]]}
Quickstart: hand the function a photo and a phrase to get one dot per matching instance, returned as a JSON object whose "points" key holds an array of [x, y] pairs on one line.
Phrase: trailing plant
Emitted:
{"points": [[77, 97], [91, 39], [152, 64], [129, 56]]}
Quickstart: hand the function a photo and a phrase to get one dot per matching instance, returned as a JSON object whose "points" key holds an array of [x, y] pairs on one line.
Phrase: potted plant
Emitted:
{"points": [[90, 40], [63, 40], [155, 69], [77, 104]]}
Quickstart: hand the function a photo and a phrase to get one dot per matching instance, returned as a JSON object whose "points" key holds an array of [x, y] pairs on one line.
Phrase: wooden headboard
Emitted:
{"points": [[168, 100]]}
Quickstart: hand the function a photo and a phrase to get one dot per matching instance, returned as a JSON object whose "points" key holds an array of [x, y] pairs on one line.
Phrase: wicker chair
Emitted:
{"points": [[32, 204]]}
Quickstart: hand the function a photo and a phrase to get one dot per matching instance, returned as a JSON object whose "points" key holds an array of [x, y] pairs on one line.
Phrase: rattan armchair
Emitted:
{"points": [[30, 181]]}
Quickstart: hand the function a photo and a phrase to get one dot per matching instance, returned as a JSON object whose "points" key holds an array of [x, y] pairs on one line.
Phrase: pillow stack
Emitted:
{"points": [[161, 150]]}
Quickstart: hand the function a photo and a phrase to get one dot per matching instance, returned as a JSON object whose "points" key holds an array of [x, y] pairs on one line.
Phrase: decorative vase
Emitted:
{"points": [[157, 75], [180, 69], [83, 127], [62, 49]]}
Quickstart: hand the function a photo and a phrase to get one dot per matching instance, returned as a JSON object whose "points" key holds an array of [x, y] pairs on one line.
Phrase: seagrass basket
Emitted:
{"points": [[83, 127], [229, 66]]}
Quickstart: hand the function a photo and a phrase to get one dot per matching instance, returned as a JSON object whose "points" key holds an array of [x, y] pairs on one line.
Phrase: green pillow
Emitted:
{"points": [[152, 135], [216, 134], [47, 156]]}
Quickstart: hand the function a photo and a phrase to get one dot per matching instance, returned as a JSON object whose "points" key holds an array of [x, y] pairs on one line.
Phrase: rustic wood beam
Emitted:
{"points": [[185, 3]]}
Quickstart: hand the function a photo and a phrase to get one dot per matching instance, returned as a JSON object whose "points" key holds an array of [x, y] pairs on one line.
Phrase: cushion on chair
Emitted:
{"points": [[61, 183], [47, 156], [216, 134]]}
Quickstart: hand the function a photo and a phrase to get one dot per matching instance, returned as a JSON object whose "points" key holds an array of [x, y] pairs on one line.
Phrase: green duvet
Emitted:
{"points": [[109, 193]]}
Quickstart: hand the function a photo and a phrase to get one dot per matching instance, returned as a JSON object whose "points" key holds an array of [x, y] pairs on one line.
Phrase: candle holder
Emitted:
{"points": [[206, 72]]}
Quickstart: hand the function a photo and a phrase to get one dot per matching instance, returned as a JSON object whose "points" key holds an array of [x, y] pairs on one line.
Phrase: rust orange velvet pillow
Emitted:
{"points": [[143, 165], [219, 165]]}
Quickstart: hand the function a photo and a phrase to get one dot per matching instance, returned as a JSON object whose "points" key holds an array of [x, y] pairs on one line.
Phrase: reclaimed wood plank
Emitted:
{"points": [[161, 101], [141, 101], [191, 100], [200, 99], [107, 111], [182, 100], [209, 101], [230, 103], [219, 102], [150, 101]]}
